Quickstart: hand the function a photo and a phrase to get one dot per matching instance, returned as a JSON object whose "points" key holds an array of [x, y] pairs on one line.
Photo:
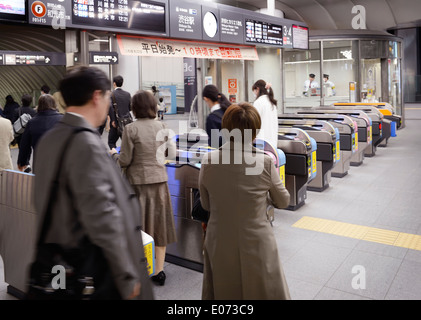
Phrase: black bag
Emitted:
{"points": [[88, 275], [198, 213], [121, 121]]}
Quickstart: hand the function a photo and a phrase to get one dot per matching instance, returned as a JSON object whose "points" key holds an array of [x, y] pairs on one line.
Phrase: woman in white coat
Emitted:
{"points": [[266, 105]]}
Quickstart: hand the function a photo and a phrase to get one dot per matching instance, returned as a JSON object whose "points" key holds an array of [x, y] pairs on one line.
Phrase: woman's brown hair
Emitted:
{"points": [[144, 105], [46, 102], [242, 116], [262, 86]]}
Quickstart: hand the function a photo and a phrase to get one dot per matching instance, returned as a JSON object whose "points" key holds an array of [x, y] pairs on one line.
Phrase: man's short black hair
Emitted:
{"points": [[118, 81], [79, 84], [26, 100], [312, 75], [46, 89]]}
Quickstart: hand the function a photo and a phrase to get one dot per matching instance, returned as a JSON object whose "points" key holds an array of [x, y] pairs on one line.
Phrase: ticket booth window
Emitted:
{"points": [[339, 70], [300, 90]]}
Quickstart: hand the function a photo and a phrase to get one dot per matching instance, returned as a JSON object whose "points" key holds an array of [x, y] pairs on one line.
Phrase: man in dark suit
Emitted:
{"points": [[121, 105], [93, 200]]}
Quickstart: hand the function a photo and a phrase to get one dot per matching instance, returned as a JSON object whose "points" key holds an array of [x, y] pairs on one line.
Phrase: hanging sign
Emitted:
{"points": [[156, 47]]}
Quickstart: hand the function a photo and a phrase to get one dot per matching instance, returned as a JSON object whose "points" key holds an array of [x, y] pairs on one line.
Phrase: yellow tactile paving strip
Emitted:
{"points": [[392, 238]]}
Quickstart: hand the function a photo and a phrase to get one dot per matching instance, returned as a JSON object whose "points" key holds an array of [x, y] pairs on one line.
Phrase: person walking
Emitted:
{"points": [[119, 107], [46, 117], [142, 155], [93, 202], [266, 105], [241, 259]]}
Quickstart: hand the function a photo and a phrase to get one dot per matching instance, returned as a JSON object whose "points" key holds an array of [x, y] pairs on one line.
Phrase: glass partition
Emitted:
{"points": [[339, 69], [302, 78]]}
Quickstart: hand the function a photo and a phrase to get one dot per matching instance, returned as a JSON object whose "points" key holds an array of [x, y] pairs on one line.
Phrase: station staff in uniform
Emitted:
{"points": [[311, 83], [329, 85]]}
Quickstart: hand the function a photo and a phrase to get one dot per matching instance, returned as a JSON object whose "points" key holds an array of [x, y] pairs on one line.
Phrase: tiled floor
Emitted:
{"points": [[384, 192]]}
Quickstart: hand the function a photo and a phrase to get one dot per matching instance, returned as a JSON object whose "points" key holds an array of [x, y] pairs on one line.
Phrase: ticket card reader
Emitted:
{"points": [[301, 163], [346, 128], [328, 145]]}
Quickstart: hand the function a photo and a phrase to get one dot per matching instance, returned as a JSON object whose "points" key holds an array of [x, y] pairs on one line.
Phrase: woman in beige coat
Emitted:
{"points": [[144, 145], [241, 258], [6, 137]]}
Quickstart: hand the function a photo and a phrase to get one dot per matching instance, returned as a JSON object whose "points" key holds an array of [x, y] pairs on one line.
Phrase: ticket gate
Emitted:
{"points": [[346, 127], [385, 108], [301, 163], [363, 136], [374, 132], [328, 153], [183, 180]]}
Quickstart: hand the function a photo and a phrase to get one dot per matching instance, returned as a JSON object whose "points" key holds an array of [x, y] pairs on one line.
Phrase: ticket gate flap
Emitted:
{"points": [[313, 166]]}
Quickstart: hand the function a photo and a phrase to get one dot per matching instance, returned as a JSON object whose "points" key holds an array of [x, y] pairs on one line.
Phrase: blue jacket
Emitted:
{"points": [[36, 127]]}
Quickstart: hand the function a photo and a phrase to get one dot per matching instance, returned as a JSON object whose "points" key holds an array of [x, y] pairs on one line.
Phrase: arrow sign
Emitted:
{"points": [[47, 60], [99, 57]]}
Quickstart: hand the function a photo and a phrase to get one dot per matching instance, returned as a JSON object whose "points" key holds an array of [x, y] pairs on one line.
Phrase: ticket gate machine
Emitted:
{"points": [[363, 136], [346, 127], [183, 179], [385, 108], [328, 151], [373, 132], [387, 128], [301, 163]]}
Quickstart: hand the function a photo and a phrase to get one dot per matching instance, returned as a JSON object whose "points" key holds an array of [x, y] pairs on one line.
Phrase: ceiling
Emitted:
{"points": [[337, 14]]}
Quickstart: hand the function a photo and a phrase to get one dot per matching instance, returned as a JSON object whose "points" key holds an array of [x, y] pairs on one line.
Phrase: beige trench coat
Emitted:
{"points": [[6, 136], [241, 258]]}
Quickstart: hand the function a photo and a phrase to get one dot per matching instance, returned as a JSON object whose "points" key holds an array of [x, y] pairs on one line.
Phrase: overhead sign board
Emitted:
{"points": [[176, 19], [24, 58], [231, 26], [139, 46], [100, 57], [185, 20], [299, 37]]}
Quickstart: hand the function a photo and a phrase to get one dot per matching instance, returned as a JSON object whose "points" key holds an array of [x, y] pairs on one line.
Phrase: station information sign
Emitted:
{"points": [[299, 37], [120, 14], [24, 58], [263, 32]]}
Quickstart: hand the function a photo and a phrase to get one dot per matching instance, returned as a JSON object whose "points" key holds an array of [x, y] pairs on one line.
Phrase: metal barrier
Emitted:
{"points": [[17, 228]]}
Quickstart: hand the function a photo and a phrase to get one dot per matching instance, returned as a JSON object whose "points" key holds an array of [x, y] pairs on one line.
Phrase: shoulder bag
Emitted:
{"points": [[121, 121], [87, 274]]}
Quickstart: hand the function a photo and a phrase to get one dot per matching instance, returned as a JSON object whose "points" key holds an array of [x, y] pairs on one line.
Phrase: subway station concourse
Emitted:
{"points": [[347, 79]]}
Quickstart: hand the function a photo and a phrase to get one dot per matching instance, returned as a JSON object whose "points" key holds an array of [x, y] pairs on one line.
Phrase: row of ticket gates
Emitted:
{"points": [[313, 146]]}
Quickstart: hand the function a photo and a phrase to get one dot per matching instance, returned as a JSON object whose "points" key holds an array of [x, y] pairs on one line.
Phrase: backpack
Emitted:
{"points": [[20, 124]]}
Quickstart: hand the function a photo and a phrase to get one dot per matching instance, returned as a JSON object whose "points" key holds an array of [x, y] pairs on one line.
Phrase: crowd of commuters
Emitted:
{"points": [[116, 194]]}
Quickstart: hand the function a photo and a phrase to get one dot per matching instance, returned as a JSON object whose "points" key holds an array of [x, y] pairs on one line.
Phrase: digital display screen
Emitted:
{"points": [[263, 33], [299, 37], [13, 10], [122, 14]]}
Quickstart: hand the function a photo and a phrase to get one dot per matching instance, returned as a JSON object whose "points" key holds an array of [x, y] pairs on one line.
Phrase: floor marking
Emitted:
{"points": [[388, 237]]}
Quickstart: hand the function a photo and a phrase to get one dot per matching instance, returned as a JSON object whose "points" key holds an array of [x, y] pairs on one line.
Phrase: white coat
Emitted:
{"points": [[6, 136]]}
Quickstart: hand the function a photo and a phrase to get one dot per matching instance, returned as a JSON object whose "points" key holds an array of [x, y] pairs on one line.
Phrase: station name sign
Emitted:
{"points": [[176, 19]]}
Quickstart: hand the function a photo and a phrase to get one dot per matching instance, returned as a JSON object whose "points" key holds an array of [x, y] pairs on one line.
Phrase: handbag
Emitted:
{"points": [[198, 213], [122, 121], [87, 275]]}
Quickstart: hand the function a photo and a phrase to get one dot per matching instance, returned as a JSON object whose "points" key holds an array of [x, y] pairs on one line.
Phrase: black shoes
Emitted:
{"points": [[159, 278]]}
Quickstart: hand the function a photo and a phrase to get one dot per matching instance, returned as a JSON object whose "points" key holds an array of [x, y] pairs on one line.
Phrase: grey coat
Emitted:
{"points": [[107, 209], [241, 259]]}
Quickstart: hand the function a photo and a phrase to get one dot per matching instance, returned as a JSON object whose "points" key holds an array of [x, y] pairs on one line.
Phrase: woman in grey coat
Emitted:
{"points": [[241, 259]]}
